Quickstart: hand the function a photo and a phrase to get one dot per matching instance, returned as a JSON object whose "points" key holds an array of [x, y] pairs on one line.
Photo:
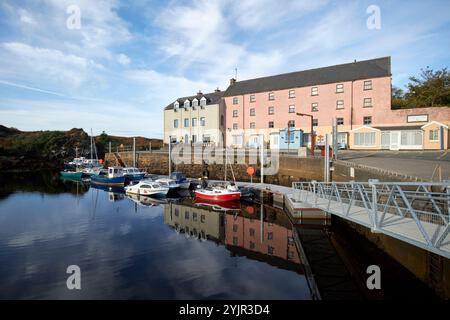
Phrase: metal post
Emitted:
{"points": [[262, 159], [374, 204], [134, 152], [170, 161], [326, 174], [110, 147]]}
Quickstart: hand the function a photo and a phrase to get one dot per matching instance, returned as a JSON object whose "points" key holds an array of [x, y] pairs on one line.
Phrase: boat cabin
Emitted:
{"points": [[115, 172]]}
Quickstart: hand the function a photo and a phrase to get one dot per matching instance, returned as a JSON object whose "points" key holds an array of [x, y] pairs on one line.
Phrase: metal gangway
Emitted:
{"points": [[415, 212]]}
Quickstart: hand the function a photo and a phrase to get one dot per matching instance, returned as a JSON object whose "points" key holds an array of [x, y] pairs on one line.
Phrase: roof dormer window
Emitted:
{"points": [[194, 103], [186, 104], [202, 102], [176, 105]]}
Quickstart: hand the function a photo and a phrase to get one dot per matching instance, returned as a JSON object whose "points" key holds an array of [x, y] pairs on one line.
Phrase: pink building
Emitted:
{"points": [[356, 95]]}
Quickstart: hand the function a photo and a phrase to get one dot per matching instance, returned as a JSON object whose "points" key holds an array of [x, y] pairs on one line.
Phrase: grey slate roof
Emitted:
{"points": [[211, 98], [380, 67]]}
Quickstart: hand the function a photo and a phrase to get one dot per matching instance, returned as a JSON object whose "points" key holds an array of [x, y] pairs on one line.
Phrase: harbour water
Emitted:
{"points": [[138, 248]]}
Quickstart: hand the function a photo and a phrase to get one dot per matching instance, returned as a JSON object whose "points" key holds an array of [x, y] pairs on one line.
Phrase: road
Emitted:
{"points": [[419, 164]]}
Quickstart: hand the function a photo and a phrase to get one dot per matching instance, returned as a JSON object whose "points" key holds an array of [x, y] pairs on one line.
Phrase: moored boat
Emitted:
{"points": [[168, 183], [133, 174], [218, 193], [180, 179], [147, 188], [71, 174], [113, 177]]}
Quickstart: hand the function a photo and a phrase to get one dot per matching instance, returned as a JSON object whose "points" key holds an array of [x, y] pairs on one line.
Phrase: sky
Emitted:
{"points": [[113, 65]]}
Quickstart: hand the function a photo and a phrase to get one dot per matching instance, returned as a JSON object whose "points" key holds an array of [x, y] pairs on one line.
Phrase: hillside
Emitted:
{"points": [[21, 150]]}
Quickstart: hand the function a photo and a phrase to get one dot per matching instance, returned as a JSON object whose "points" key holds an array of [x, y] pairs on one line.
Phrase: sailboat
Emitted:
{"points": [[229, 192], [92, 167]]}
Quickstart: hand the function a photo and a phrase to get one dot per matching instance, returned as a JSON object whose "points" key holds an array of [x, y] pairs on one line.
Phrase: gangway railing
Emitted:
{"points": [[415, 212]]}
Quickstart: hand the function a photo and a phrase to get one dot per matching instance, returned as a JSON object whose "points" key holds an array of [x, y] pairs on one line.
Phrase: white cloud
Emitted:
{"points": [[123, 59]]}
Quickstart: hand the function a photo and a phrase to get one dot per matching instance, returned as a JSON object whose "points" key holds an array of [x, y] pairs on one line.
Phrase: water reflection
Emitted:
{"points": [[251, 231]]}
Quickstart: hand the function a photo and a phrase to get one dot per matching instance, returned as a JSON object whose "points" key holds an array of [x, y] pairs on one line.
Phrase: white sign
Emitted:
{"points": [[418, 118]]}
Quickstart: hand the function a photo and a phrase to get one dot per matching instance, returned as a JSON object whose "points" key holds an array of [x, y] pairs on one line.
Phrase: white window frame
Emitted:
{"points": [[314, 91], [340, 88], [292, 108]]}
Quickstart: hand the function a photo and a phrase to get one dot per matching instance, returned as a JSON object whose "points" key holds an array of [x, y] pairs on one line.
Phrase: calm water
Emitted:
{"points": [[131, 248]]}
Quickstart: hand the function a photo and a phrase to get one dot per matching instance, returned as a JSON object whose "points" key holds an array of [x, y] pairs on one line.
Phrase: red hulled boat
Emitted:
{"points": [[217, 193]]}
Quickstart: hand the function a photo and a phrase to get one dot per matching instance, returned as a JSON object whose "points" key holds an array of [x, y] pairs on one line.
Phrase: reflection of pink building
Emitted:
{"points": [[356, 95], [277, 240]]}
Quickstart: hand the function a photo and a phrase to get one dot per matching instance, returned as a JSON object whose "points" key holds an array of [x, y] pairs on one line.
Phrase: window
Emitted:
{"points": [[235, 100], [367, 102], [175, 123], [291, 109], [202, 121], [271, 110], [252, 125], [271, 96], [291, 124], [314, 91], [434, 135], [176, 104], [235, 227], [315, 122], [291, 94], [252, 112], [203, 102], [269, 249], [202, 218], [235, 241], [340, 121], [186, 215], [235, 113], [314, 107], [270, 236], [252, 232], [411, 138], [252, 98], [367, 120], [235, 126], [365, 139], [290, 255], [194, 138], [206, 138], [194, 103], [186, 122], [186, 104], [194, 216], [237, 140], [177, 212], [194, 122], [339, 88], [340, 104], [270, 124], [368, 85], [252, 245]]}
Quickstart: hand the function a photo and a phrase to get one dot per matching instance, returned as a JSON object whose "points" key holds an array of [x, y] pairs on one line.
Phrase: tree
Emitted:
{"points": [[431, 88]]}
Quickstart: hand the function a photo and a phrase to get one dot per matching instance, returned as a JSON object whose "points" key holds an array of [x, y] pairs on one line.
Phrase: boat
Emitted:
{"points": [[219, 193], [145, 201], [70, 174], [181, 180], [113, 177], [227, 192], [168, 183], [92, 171], [133, 174], [147, 188]]}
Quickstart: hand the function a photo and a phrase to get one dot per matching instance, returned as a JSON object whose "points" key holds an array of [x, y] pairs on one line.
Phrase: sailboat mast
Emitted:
{"points": [[92, 149]]}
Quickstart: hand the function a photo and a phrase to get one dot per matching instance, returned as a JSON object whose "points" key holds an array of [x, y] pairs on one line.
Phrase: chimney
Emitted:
{"points": [[232, 81], [199, 93], [217, 90]]}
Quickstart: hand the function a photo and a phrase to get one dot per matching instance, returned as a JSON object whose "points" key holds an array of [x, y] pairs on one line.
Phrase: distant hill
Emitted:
{"points": [[50, 149]]}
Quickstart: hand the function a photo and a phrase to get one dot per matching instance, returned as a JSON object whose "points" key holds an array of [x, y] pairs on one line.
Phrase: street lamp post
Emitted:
{"points": [[313, 142]]}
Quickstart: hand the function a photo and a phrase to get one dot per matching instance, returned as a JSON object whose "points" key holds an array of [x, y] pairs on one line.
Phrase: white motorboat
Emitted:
{"points": [[147, 188]]}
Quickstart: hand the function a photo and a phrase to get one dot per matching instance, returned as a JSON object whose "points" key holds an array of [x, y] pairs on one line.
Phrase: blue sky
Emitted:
{"points": [[129, 59]]}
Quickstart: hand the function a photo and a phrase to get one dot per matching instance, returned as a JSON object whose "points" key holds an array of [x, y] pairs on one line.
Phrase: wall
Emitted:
{"points": [[435, 145], [290, 168]]}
